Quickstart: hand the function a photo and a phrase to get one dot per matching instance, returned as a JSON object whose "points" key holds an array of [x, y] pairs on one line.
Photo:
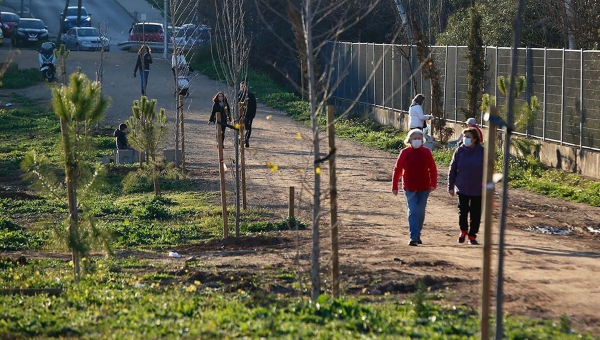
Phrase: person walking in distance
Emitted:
{"points": [[417, 119], [466, 175], [144, 59], [249, 101], [179, 65], [418, 171], [221, 108]]}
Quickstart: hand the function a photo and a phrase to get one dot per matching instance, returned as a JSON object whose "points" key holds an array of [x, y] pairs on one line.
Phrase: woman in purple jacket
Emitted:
{"points": [[466, 174]]}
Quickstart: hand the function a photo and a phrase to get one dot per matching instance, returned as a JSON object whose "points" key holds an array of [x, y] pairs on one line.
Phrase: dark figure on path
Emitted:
{"points": [[220, 107], [466, 174], [249, 101], [144, 59], [121, 138]]}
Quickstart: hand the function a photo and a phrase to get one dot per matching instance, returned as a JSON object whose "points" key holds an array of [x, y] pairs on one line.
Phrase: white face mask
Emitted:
{"points": [[467, 141], [416, 143]]}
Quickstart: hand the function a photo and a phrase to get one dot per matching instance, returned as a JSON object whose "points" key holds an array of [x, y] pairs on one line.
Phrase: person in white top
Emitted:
{"points": [[415, 112], [183, 85], [178, 63]]}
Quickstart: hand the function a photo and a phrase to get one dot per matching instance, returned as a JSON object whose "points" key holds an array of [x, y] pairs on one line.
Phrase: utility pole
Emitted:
{"points": [[166, 25]]}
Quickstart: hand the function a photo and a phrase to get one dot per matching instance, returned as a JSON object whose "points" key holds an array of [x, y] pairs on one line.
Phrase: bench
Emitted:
{"points": [[126, 156]]}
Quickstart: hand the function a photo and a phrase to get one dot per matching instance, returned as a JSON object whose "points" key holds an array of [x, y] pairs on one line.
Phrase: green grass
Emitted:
{"points": [[21, 78], [123, 206], [133, 298], [125, 299]]}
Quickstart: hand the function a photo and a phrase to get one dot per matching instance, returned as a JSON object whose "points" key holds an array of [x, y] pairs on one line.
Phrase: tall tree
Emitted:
{"points": [[79, 13], [78, 106], [62, 22], [320, 22], [476, 65], [233, 49]]}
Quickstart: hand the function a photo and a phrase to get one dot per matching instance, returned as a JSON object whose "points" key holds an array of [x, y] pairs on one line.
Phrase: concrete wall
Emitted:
{"points": [[567, 158]]}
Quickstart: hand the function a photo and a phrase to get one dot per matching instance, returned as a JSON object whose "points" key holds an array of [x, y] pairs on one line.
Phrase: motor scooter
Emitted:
{"points": [[47, 61]]}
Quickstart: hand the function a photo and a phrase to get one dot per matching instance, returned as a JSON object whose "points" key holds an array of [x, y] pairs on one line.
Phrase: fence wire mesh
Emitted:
{"points": [[566, 83]]}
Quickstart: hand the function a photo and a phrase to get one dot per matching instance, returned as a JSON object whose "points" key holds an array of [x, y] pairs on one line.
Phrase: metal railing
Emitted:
{"points": [[566, 82]]}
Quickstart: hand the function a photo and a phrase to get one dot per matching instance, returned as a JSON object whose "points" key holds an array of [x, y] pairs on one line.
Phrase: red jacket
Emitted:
{"points": [[417, 169]]}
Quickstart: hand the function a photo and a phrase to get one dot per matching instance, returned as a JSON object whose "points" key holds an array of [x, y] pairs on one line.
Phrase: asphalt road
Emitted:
{"points": [[105, 12]]}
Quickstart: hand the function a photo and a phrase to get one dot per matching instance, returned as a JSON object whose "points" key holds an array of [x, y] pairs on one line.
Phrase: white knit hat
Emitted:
{"points": [[471, 121]]}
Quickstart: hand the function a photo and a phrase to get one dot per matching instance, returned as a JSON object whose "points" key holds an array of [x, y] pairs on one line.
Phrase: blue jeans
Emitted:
{"points": [[416, 201], [144, 80]]}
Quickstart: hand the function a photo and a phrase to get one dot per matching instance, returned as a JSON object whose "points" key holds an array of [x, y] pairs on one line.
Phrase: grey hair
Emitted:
{"points": [[412, 132]]}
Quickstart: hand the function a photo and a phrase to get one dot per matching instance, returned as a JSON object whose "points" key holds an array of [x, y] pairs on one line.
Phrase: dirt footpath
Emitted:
{"points": [[545, 275]]}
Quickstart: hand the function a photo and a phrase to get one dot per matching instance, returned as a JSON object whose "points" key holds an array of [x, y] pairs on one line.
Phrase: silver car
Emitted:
{"points": [[85, 39]]}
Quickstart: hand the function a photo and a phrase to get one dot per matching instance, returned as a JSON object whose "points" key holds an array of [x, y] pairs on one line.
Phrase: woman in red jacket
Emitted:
{"points": [[416, 167]]}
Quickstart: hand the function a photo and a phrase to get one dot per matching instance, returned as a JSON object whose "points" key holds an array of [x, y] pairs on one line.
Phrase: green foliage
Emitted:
{"points": [[133, 300], [527, 172], [21, 78], [78, 106], [148, 128], [148, 132], [476, 64], [524, 114], [284, 224], [154, 209], [443, 157], [15, 237], [496, 25], [18, 127]]}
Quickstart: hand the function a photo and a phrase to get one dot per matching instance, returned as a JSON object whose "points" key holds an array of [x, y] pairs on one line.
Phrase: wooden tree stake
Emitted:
{"points": [[335, 268]]}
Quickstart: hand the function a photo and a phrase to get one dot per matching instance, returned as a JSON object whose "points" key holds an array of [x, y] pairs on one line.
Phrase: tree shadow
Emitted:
{"points": [[545, 251]]}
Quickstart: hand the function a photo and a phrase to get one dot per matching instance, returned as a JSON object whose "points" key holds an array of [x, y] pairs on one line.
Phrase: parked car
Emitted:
{"points": [[29, 30], [85, 39], [189, 36], [147, 32], [8, 20], [1, 38], [70, 19]]}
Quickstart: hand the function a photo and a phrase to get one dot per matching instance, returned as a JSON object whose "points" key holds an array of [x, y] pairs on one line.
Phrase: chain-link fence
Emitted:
{"points": [[566, 83]]}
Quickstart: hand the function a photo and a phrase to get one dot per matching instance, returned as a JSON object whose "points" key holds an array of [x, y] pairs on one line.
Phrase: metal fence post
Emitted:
{"points": [[401, 82], [581, 85], [393, 94], [445, 81], [456, 84], [485, 62], [383, 54], [562, 98], [374, 72], [496, 76], [545, 94], [528, 81]]}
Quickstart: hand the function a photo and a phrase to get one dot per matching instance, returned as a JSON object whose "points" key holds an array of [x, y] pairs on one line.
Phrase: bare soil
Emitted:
{"points": [[545, 276]]}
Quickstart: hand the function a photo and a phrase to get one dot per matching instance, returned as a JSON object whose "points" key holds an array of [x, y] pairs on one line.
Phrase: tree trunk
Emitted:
{"points": [[61, 23], [316, 284], [71, 179], [79, 13]]}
